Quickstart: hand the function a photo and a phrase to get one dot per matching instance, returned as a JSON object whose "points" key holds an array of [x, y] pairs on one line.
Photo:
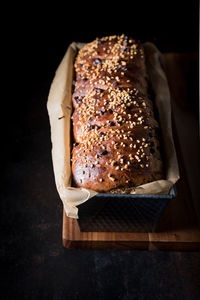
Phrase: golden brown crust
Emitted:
{"points": [[115, 133]]}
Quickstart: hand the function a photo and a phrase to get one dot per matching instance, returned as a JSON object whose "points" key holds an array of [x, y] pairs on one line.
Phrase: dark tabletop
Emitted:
{"points": [[34, 264]]}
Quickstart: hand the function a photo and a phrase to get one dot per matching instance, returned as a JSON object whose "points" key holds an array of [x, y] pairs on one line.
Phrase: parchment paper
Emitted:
{"points": [[59, 107]]}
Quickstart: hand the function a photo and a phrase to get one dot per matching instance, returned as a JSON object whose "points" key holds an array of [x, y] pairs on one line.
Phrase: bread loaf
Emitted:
{"points": [[116, 142]]}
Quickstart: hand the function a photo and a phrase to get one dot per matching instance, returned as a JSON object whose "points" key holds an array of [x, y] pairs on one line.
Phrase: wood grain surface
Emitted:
{"points": [[178, 228]]}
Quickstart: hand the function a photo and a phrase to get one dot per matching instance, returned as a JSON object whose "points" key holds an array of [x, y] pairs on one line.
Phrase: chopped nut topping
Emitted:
{"points": [[111, 177], [111, 110]]}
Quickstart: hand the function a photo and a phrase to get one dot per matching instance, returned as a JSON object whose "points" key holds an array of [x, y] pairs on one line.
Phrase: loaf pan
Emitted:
{"points": [[109, 212], [123, 212]]}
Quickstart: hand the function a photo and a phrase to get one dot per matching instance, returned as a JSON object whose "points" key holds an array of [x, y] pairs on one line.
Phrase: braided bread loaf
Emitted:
{"points": [[115, 132]]}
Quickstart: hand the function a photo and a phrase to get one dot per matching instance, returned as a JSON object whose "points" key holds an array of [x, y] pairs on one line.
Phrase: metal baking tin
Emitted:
{"points": [[123, 212]]}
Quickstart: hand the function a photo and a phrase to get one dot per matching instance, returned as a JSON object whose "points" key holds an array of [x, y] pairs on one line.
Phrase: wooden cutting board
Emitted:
{"points": [[179, 227]]}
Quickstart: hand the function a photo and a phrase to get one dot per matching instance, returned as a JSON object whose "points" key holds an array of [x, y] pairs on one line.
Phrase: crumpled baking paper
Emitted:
{"points": [[59, 107]]}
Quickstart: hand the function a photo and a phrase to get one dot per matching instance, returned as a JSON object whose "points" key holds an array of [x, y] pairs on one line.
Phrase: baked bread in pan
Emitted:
{"points": [[116, 140]]}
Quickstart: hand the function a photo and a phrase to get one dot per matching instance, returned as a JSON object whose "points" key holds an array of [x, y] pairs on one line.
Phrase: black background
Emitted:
{"points": [[38, 36], [34, 263], [43, 36]]}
